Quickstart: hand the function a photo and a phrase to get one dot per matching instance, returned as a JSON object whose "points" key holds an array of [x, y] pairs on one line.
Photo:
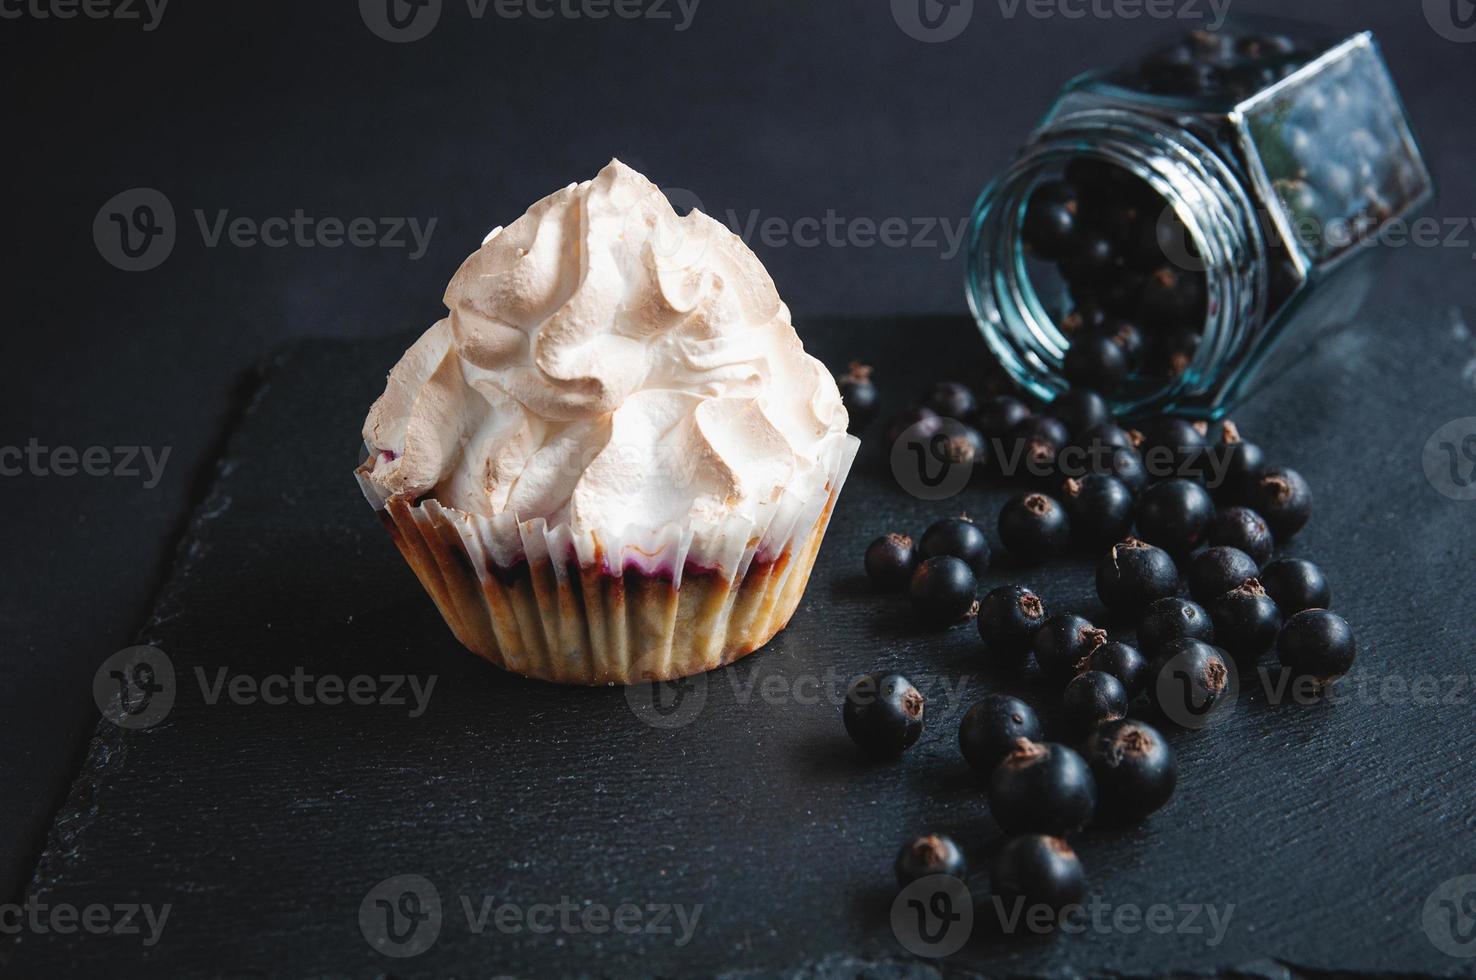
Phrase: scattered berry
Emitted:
{"points": [[942, 590], [1008, 618], [889, 562], [883, 713], [1134, 769], [951, 400], [1282, 497], [1046, 428], [859, 395], [1081, 410], [1175, 515], [1246, 620], [997, 416], [1133, 574], [1034, 527], [1101, 508], [1092, 698], [1242, 464], [958, 537], [1188, 681], [1170, 619], [991, 728], [1243, 528], [1064, 645], [958, 443], [1042, 787], [920, 422], [1123, 662], [1037, 871], [1296, 584], [1174, 446], [933, 854], [1215, 571], [1317, 644]]}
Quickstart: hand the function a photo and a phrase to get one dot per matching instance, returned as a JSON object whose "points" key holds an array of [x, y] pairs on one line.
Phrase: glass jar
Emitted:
{"points": [[1195, 207]]}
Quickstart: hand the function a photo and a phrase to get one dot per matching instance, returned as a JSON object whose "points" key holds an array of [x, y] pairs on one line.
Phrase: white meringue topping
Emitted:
{"points": [[609, 365]]}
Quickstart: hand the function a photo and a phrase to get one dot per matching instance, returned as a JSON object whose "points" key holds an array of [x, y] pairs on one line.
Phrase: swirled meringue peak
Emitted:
{"points": [[612, 366]]}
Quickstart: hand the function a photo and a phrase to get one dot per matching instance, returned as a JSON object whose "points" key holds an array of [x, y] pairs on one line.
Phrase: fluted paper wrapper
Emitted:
{"points": [[593, 608]]}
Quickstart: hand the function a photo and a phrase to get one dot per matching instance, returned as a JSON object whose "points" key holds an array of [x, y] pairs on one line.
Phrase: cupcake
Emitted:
{"points": [[613, 462]]}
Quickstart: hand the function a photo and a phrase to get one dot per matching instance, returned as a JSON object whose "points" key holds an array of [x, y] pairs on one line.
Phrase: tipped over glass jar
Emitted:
{"points": [[1179, 225]]}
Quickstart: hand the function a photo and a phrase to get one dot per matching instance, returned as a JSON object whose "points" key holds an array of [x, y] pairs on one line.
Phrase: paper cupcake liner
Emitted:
{"points": [[642, 605]]}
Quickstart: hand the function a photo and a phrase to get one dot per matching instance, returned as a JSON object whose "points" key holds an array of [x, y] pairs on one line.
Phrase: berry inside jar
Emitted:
{"points": [[1117, 273]]}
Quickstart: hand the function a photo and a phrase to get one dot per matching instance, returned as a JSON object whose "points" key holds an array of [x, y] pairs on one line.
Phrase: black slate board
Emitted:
{"points": [[1326, 827]]}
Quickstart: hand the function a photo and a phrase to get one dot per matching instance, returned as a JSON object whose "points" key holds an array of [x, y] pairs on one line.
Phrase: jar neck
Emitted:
{"points": [[1221, 239]]}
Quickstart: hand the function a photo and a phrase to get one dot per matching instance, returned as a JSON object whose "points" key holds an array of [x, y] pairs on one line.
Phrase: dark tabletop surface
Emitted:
{"points": [[1314, 833], [762, 109]]}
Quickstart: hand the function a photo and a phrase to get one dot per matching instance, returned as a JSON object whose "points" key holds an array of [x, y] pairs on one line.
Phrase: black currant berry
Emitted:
{"points": [[1188, 681], [1091, 262], [1173, 446], [932, 854], [1175, 515], [1050, 225], [1086, 317], [1134, 768], [1081, 410], [1096, 441], [1034, 528], [889, 562], [1123, 662], [1064, 645], [1042, 787], [1171, 297], [1008, 619], [1243, 528], [1296, 584], [958, 443], [942, 590], [959, 537], [1133, 574], [1036, 871], [1284, 499], [1100, 507], [1246, 620], [1215, 571], [991, 728], [951, 400], [859, 395], [1127, 466], [1046, 428], [1240, 466], [998, 415], [1092, 698], [1170, 619], [1317, 644], [883, 713], [1095, 361], [919, 422]]}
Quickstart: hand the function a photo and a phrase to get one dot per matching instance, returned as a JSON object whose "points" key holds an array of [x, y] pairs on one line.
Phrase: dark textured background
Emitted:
{"points": [[790, 109]]}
